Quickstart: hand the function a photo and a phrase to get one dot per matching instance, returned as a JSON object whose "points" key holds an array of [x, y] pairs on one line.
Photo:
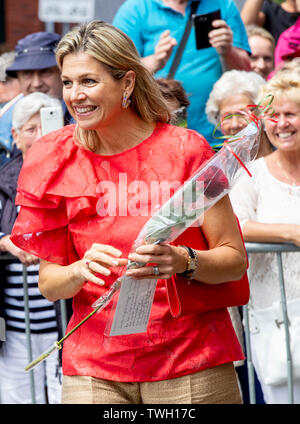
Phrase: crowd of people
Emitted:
{"points": [[139, 98]]}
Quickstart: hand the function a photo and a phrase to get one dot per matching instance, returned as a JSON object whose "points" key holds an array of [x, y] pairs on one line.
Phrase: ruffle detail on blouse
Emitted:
{"points": [[67, 174], [68, 188], [61, 184], [65, 170]]}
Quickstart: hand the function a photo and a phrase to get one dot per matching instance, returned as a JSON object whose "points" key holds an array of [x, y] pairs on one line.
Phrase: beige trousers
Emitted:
{"points": [[216, 385]]}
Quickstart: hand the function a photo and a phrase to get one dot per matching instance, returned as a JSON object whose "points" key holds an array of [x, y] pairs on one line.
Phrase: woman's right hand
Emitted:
{"points": [[65, 281], [99, 259]]}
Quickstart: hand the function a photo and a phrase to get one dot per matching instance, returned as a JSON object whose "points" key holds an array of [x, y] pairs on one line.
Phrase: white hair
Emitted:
{"points": [[230, 84], [6, 59], [30, 105]]}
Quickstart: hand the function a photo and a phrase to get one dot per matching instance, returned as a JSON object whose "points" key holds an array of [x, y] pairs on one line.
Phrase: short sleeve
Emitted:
{"points": [[233, 19], [43, 231], [267, 5], [41, 227]]}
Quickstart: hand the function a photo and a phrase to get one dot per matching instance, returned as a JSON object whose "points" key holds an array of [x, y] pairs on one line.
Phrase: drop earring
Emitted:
{"points": [[126, 102]]}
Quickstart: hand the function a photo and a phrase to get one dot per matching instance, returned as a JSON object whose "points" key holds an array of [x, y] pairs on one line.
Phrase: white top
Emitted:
{"points": [[265, 199]]}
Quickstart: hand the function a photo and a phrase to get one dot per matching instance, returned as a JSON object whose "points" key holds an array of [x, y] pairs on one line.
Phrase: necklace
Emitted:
{"points": [[292, 181]]}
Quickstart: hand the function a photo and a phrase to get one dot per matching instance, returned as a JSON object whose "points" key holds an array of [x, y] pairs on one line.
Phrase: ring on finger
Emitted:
{"points": [[155, 270], [87, 263]]}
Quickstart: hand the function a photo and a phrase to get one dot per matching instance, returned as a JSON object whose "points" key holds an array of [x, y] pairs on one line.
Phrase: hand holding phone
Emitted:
{"points": [[203, 25], [221, 37]]}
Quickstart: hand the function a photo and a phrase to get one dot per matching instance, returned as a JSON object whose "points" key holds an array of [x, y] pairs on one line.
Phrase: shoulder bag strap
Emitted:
{"points": [[183, 40]]}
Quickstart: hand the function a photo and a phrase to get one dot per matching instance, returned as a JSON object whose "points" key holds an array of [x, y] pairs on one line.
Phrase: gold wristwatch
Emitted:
{"points": [[192, 263]]}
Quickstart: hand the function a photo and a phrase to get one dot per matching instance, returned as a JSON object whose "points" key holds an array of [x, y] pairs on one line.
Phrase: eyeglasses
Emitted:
{"points": [[239, 116]]}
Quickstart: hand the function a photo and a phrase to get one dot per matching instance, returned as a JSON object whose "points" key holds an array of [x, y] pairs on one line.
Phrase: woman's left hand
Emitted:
{"points": [[168, 259]]}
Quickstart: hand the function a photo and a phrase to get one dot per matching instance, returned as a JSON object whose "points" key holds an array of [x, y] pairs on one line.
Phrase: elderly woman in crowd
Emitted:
{"points": [[268, 206], [228, 100], [14, 382], [83, 237]]}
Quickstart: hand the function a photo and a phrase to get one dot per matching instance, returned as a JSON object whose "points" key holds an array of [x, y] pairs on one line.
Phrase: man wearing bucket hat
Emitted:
{"points": [[36, 69], [35, 64]]}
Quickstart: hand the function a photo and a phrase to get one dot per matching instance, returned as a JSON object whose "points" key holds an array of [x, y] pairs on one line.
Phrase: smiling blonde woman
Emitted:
{"points": [[122, 129], [268, 208]]}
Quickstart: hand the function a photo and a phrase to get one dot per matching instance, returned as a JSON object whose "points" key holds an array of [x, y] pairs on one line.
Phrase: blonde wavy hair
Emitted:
{"points": [[116, 51], [259, 31], [284, 83]]}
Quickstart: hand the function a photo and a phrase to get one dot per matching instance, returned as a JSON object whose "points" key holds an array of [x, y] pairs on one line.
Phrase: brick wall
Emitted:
{"points": [[21, 18]]}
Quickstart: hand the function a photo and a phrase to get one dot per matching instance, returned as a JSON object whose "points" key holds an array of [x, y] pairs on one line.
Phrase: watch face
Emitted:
{"points": [[193, 264]]}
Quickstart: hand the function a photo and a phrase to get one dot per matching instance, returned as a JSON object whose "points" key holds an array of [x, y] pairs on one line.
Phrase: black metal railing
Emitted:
{"points": [[278, 249]]}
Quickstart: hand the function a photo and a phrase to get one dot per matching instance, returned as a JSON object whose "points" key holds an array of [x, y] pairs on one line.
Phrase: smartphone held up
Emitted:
{"points": [[52, 119], [203, 25]]}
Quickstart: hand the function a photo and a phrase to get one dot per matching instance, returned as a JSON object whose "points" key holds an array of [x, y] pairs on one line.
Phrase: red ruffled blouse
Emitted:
{"points": [[71, 198]]}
